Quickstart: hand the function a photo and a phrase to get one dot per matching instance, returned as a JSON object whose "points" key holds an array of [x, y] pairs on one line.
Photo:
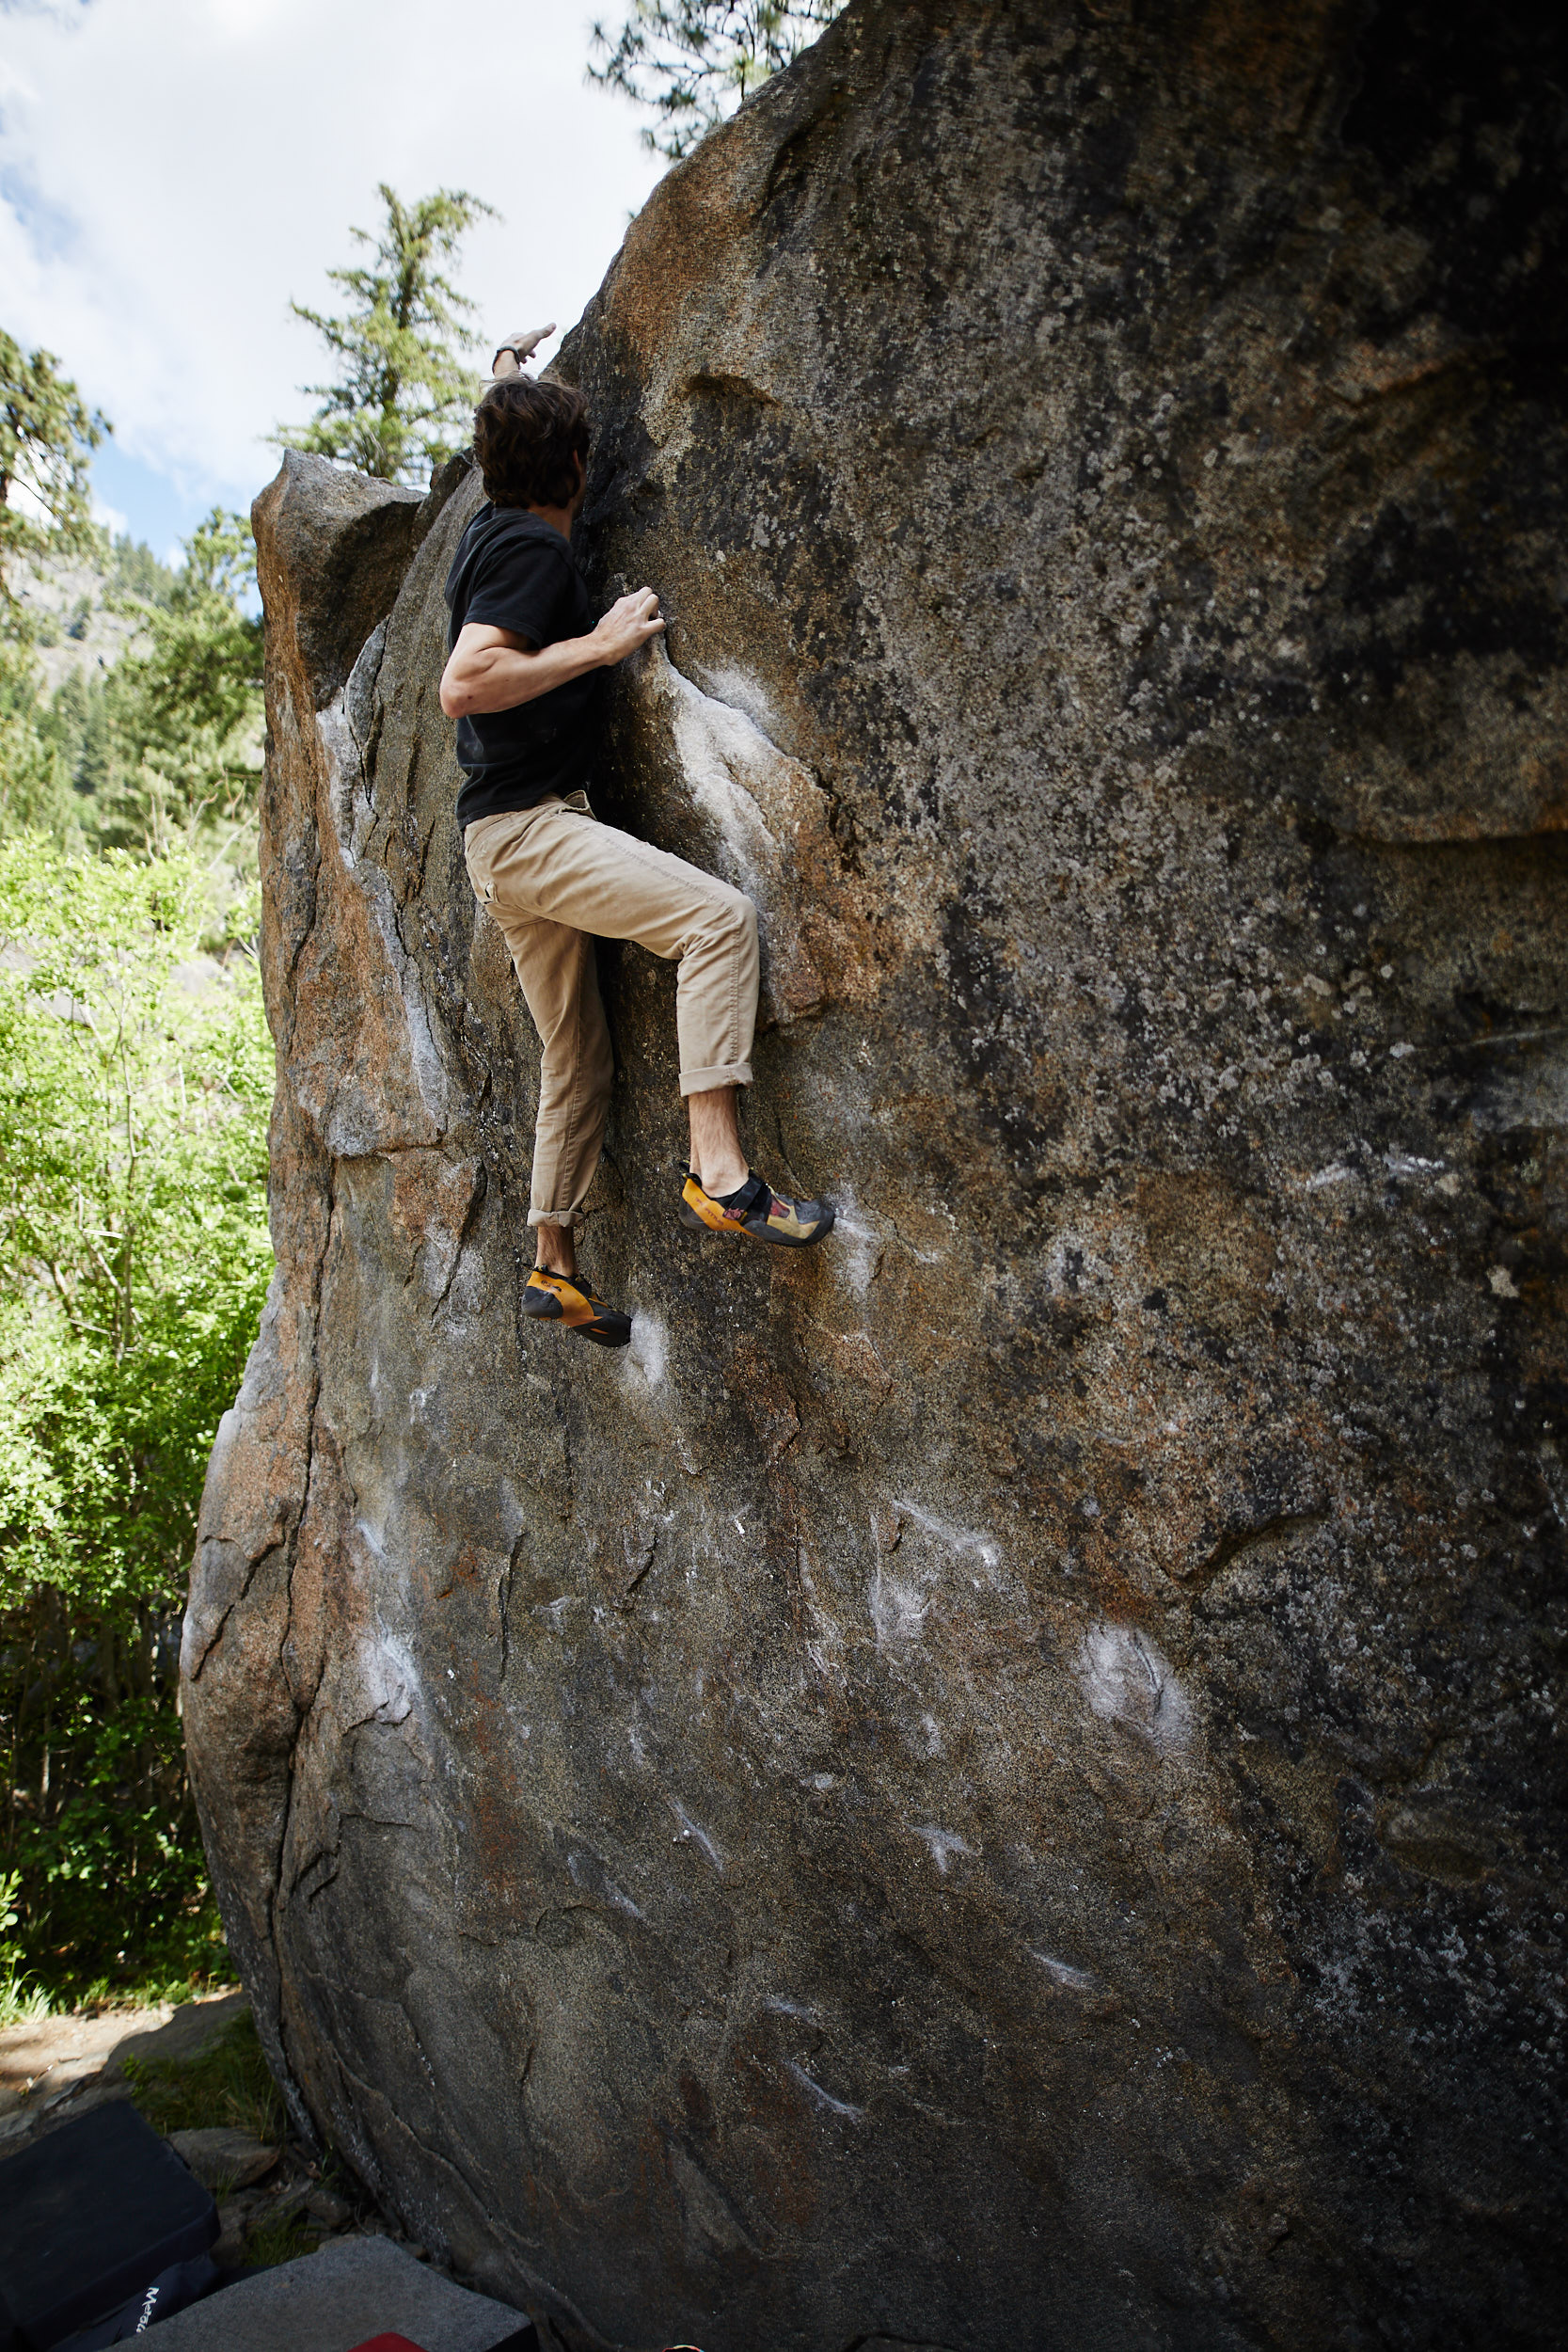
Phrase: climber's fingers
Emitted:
{"points": [[639, 604], [645, 613], [629, 623]]}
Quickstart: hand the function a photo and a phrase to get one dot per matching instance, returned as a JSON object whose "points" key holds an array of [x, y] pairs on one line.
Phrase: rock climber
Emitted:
{"points": [[522, 675]]}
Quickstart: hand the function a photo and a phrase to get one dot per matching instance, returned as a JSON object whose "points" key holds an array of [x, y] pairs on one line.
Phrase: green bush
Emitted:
{"points": [[135, 1084]]}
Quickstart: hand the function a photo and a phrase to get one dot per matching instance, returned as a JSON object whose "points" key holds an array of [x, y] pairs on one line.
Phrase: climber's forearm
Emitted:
{"points": [[490, 669], [501, 676]]}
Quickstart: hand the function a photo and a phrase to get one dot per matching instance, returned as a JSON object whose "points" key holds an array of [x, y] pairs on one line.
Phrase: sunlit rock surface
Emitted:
{"points": [[990, 1785]]}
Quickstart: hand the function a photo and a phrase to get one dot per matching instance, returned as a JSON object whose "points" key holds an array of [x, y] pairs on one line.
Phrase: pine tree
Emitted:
{"points": [[692, 61], [400, 391], [46, 434], [183, 706]]}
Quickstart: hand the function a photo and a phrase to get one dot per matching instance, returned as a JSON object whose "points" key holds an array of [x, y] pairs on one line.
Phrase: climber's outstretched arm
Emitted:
{"points": [[491, 668]]}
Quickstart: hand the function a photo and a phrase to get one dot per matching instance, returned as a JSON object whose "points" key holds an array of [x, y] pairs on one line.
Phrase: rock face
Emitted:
{"points": [[990, 1785]]}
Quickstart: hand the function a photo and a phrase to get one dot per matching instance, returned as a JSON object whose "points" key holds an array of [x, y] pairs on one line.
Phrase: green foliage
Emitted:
{"points": [[115, 1900], [164, 747], [132, 1236], [399, 393], [134, 1082], [136, 571], [184, 708], [77, 725], [227, 2084], [167, 747], [134, 1085], [19, 1997], [690, 62], [46, 435], [282, 2237], [33, 780]]}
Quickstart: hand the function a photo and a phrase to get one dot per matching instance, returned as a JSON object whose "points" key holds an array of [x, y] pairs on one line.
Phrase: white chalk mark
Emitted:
{"points": [[942, 1843], [694, 1829], [598, 1881], [899, 1605], [720, 749], [858, 1246], [958, 1539], [648, 1349], [744, 694], [898, 1610], [1406, 1164], [373, 1541], [1127, 1680], [1061, 1972], [388, 1677], [825, 2098]]}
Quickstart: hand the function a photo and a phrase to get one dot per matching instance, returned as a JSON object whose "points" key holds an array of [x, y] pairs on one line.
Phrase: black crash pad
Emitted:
{"points": [[89, 2214]]}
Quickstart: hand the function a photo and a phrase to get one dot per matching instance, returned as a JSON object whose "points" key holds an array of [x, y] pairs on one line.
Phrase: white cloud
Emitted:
{"points": [[174, 170]]}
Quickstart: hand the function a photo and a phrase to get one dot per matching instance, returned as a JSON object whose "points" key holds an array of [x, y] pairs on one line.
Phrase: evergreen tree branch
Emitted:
{"points": [[401, 394], [691, 62]]}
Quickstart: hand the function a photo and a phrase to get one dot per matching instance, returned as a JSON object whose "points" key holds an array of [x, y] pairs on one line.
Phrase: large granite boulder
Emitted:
{"points": [[992, 1784]]}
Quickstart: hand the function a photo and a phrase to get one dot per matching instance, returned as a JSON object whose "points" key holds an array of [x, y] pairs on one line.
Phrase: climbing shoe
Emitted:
{"points": [[566, 1298], [755, 1209]]}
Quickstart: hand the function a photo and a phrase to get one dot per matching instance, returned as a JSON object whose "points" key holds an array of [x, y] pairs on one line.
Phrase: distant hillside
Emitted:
{"points": [[72, 603]]}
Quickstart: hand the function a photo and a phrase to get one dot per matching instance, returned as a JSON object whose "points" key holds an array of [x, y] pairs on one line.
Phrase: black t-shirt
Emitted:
{"points": [[513, 570]]}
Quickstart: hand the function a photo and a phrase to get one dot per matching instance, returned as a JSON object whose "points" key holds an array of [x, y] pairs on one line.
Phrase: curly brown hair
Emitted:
{"points": [[527, 435]]}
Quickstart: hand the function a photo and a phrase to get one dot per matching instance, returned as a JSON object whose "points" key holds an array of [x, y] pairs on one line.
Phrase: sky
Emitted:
{"points": [[173, 171]]}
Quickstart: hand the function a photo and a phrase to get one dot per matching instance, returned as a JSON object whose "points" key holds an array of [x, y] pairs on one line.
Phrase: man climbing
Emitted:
{"points": [[521, 679]]}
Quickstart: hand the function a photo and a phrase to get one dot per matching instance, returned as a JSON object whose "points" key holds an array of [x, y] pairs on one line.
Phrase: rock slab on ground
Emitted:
{"points": [[192, 2028], [993, 1783], [222, 2159], [340, 2297]]}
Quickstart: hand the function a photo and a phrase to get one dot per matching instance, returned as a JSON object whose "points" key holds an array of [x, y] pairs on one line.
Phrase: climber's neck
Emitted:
{"points": [[561, 517]]}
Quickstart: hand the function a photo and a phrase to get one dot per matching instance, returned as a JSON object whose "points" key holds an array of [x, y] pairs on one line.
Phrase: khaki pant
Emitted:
{"points": [[555, 879]]}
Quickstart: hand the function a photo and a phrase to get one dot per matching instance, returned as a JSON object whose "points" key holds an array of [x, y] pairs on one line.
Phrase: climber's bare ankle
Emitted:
{"points": [[721, 1165], [554, 1252], [718, 1180]]}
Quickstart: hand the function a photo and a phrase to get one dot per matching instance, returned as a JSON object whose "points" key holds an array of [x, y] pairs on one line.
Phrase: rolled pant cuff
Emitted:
{"points": [[728, 1073], [555, 1217]]}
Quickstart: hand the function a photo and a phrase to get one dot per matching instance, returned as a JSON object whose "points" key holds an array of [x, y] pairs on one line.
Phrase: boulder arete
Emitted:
{"points": [[992, 1785]]}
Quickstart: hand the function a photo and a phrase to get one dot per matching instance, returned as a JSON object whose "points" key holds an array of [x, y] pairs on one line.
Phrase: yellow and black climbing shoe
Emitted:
{"points": [[566, 1298], [758, 1210]]}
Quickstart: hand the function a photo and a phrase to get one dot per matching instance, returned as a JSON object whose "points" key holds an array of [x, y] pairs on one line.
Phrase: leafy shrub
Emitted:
{"points": [[135, 1084]]}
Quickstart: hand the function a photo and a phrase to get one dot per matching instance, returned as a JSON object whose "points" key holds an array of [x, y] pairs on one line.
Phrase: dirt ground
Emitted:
{"points": [[44, 2060]]}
